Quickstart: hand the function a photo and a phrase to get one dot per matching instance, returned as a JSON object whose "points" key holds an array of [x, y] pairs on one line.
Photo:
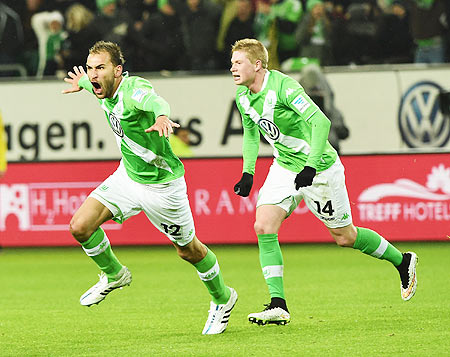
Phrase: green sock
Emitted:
{"points": [[371, 243], [271, 261], [209, 272], [99, 249]]}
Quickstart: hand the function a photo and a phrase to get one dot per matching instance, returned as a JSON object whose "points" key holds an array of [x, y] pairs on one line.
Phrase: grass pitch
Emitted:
{"points": [[342, 303]]}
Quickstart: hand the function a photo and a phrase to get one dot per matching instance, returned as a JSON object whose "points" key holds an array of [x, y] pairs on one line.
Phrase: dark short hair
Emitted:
{"points": [[112, 48]]}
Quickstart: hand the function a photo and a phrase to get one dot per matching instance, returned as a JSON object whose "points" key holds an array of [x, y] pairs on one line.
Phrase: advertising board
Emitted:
{"points": [[403, 197]]}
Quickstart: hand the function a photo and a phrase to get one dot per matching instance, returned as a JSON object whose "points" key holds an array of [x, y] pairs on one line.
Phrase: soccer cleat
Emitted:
{"points": [[219, 315], [271, 315], [99, 291], [407, 270]]}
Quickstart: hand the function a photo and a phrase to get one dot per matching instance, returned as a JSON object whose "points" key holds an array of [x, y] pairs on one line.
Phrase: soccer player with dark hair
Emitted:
{"points": [[306, 167], [149, 178]]}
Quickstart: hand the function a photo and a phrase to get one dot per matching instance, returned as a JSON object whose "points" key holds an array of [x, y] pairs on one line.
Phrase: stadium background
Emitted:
{"points": [[342, 303]]}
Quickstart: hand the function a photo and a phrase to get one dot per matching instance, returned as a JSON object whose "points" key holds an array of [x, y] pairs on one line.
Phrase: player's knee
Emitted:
{"points": [[184, 254], [193, 252], [344, 240], [344, 237], [262, 228], [80, 230]]}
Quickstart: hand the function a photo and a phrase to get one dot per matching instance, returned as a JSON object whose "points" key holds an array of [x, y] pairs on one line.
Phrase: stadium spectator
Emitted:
{"points": [[150, 178], [359, 45], [180, 142], [158, 43], [3, 149], [240, 27], [11, 38], [429, 26], [314, 33], [48, 26], [305, 167], [140, 10], [113, 22], [200, 21], [394, 39], [63, 5], [336, 12], [29, 55], [275, 25], [82, 33]]}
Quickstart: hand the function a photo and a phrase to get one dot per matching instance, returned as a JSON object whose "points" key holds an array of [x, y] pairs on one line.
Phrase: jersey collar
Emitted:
{"points": [[124, 75], [266, 79]]}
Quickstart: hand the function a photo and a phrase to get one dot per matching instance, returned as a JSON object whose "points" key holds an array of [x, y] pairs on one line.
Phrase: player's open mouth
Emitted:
{"points": [[236, 77], [97, 87]]}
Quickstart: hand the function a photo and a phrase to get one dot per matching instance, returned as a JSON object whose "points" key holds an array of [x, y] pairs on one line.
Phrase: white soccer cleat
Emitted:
{"points": [[99, 291], [271, 315], [219, 315], [408, 284]]}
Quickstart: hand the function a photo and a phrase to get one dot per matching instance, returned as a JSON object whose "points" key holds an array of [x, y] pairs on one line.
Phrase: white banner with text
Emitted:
{"points": [[387, 111]]}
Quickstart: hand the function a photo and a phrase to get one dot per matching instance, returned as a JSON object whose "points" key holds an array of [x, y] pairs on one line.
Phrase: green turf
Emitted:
{"points": [[342, 303]]}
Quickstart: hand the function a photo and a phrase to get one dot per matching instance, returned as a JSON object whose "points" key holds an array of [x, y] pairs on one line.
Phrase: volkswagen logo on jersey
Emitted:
{"points": [[420, 121], [270, 128], [115, 125]]}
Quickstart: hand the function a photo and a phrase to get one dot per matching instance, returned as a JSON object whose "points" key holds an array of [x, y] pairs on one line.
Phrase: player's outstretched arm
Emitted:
{"points": [[73, 78], [163, 125]]}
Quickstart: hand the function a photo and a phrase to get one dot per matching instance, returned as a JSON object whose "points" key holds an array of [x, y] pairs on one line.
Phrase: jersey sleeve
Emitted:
{"points": [[250, 143], [144, 98], [294, 96], [320, 125], [250, 148]]}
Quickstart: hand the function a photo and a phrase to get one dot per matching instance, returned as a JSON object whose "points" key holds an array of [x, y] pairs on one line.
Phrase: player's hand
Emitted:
{"points": [[163, 125], [305, 177], [73, 78], [243, 187]]}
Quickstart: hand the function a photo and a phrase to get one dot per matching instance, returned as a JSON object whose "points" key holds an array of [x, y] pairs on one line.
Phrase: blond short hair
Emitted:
{"points": [[254, 49]]}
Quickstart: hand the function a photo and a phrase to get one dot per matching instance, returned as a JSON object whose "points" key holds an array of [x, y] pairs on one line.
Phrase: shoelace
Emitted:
{"points": [[102, 276]]}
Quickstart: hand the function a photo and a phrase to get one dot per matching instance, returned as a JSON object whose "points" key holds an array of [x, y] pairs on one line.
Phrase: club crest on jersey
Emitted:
{"points": [[114, 122], [270, 128]]}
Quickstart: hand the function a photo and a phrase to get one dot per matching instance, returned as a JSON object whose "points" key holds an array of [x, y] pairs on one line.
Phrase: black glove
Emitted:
{"points": [[243, 187], [305, 177]]}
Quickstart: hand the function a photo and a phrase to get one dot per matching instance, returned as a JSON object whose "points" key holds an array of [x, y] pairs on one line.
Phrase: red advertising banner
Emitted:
{"points": [[403, 197]]}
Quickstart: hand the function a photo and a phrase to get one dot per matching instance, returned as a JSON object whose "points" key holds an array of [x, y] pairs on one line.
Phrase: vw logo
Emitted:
{"points": [[421, 123], [115, 125], [270, 128]]}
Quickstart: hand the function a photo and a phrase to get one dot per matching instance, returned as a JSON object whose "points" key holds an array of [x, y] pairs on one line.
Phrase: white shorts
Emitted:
{"points": [[166, 205], [326, 198]]}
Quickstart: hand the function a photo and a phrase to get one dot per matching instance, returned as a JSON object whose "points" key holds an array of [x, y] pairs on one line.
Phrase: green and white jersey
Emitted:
{"points": [[134, 107], [289, 120]]}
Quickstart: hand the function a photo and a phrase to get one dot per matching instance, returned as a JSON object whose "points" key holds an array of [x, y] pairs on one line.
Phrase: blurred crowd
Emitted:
{"points": [[47, 37]]}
